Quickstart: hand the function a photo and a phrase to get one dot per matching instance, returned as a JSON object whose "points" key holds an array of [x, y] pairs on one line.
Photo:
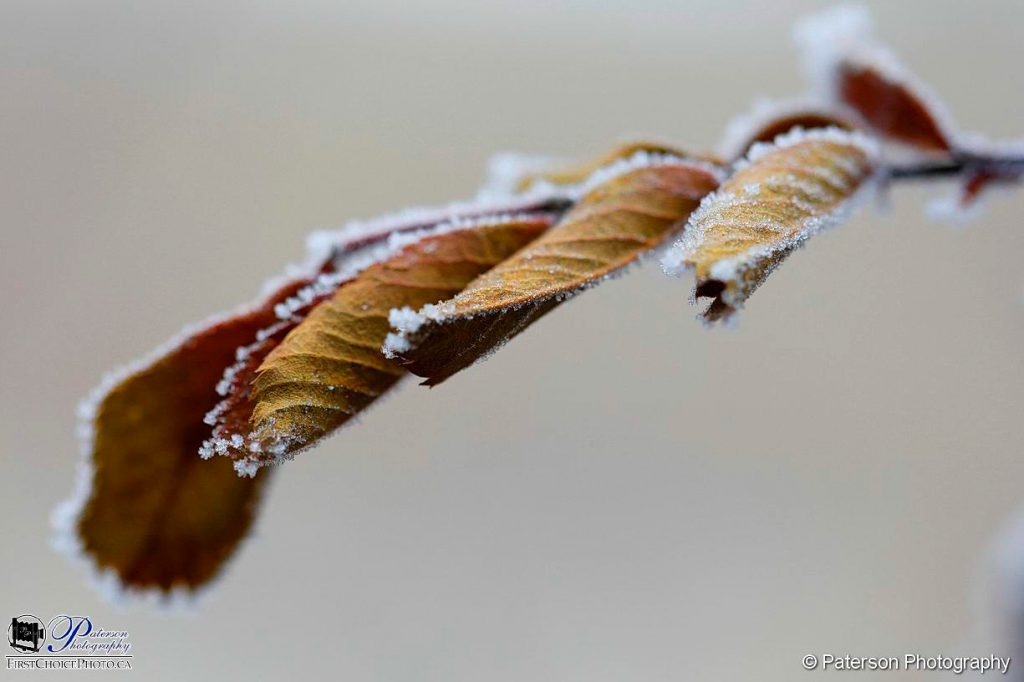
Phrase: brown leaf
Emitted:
{"points": [[769, 119], [147, 507], [781, 196], [852, 68], [890, 107], [612, 225], [579, 173], [147, 510], [354, 247], [330, 367]]}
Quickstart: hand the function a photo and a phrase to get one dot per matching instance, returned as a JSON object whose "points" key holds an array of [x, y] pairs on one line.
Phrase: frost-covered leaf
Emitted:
{"points": [[329, 366], [147, 511], [769, 119], [849, 67], [778, 197], [573, 175], [629, 209]]}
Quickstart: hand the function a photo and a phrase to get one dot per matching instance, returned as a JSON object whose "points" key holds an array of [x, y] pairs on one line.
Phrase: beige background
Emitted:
{"points": [[617, 495]]}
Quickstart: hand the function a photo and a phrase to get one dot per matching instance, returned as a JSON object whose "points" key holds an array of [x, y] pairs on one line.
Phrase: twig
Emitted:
{"points": [[961, 164]]}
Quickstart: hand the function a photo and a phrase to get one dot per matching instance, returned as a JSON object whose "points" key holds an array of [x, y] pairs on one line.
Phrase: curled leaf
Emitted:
{"points": [[329, 366], [851, 68], [781, 195], [147, 511], [578, 174], [626, 212], [355, 247], [769, 119], [891, 108], [147, 514]]}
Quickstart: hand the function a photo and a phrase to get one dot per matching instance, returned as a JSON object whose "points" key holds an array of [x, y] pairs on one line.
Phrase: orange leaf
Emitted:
{"points": [[329, 366], [615, 222], [147, 511], [783, 194], [579, 173]]}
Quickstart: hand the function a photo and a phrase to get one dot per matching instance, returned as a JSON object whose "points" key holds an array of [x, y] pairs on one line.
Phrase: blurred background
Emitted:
{"points": [[619, 493]]}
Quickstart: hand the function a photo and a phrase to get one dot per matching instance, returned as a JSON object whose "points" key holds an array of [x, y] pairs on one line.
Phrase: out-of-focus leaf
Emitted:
{"points": [[147, 508], [578, 174], [850, 67], [614, 223], [330, 366], [770, 118], [982, 179], [780, 196], [891, 108]]}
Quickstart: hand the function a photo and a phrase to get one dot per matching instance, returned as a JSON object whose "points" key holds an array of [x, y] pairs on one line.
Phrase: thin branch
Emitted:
{"points": [[959, 165]]}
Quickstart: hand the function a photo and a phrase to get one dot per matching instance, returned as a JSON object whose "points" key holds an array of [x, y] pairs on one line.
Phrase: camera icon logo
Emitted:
{"points": [[26, 633]]}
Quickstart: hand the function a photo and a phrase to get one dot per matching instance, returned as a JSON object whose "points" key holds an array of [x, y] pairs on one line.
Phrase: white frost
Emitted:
{"points": [[765, 111], [799, 135], [406, 322], [676, 260], [825, 38], [405, 319], [66, 515], [506, 170], [846, 34], [641, 159], [247, 450], [321, 246]]}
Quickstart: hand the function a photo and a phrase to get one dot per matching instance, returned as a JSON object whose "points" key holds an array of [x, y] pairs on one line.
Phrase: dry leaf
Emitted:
{"points": [[147, 508], [355, 247], [147, 513], [890, 108], [782, 194], [309, 356], [770, 118], [579, 174], [619, 219], [330, 367], [850, 67]]}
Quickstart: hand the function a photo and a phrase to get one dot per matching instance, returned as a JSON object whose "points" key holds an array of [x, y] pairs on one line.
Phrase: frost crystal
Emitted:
{"points": [[406, 322], [779, 237], [764, 112], [507, 170], [66, 516], [826, 38], [248, 449]]}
